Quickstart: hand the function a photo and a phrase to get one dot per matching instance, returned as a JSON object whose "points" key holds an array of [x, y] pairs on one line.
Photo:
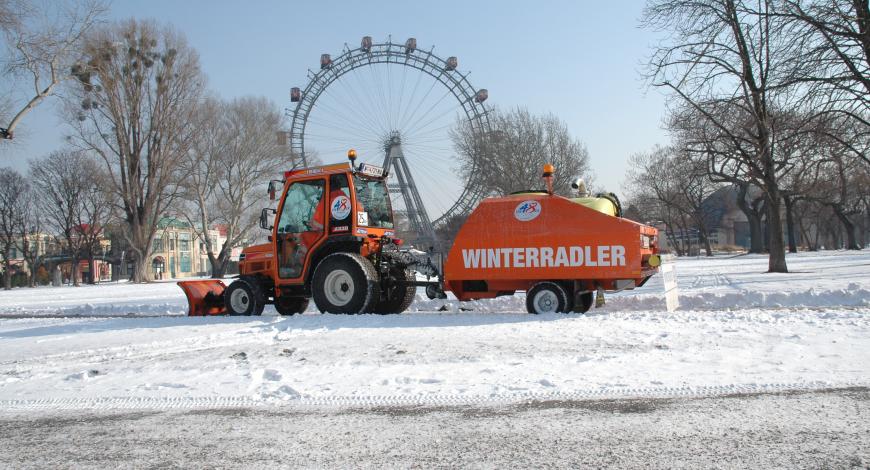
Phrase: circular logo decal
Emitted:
{"points": [[340, 207], [527, 210]]}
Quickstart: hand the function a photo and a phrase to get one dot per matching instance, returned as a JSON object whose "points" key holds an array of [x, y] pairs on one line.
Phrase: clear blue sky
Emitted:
{"points": [[578, 60]]}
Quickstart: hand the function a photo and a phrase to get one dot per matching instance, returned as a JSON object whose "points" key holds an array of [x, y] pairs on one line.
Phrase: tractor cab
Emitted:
{"points": [[331, 238], [331, 204]]}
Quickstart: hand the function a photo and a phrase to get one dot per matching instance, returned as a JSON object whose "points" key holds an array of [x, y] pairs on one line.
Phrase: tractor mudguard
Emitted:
{"points": [[204, 297]]}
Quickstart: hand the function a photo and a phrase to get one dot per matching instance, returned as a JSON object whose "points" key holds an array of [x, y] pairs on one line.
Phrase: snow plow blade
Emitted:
{"points": [[204, 297]]}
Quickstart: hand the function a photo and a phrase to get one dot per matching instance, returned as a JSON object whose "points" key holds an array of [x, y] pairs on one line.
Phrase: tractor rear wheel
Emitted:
{"points": [[345, 283], [244, 297], [547, 297], [398, 298], [290, 305]]}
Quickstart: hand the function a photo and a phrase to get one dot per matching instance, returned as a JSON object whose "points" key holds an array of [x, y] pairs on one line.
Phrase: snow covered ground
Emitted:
{"points": [[739, 330]]}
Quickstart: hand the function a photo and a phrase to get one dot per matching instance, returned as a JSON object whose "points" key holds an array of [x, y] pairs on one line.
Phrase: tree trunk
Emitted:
{"points": [[848, 227], [706, 240], [140, 242], [219, 268], [91, 265], [789, 223], [673, 242], [74, 271], [776, 262], [756, 243], [805, 235], [7, 273]]}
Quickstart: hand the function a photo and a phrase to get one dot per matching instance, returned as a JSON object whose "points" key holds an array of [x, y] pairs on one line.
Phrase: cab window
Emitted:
{"points": [[373, 202], [299, 213]]}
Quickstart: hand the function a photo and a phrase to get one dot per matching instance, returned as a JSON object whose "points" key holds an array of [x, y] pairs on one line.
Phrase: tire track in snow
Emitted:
{"points": [[172, 403]]}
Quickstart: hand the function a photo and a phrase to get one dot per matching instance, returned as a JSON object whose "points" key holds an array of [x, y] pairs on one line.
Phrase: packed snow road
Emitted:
{"points": [[822, 429]]}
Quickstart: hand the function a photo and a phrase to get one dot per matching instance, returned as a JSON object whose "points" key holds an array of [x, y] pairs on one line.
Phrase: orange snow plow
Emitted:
{"points": [[205, 297]]}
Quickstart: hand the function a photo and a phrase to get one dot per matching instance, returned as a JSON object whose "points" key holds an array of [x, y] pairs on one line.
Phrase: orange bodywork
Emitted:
{"points": [[510, 243]]}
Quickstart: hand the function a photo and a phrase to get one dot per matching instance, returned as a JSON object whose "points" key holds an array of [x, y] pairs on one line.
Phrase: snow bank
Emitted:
{"points": [[817, 280]]}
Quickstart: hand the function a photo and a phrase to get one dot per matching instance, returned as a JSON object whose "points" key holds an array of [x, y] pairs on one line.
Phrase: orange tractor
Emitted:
{"points": [[333, 240]]}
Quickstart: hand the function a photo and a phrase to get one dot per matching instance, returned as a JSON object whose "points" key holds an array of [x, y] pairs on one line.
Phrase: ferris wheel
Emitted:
{"points": [[396, 105]]}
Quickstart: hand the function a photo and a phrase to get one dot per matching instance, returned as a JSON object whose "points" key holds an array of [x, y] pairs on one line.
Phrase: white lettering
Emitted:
{"points": [[576, 256], [547, 257], [604, 255], [519, 262], [471, 258], [561, 257], [589, 260], [493, 260], [532, 257], [544, 257], [618, 254]]}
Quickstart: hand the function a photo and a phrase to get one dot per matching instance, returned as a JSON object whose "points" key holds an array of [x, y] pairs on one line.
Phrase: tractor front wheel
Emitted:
{"points": [[243, 297], [291, 305], [398, 297], [345, 283]]}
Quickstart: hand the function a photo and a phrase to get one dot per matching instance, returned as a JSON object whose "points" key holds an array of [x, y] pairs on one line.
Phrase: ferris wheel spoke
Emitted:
{"points": [[381, 98], [344, 125], [413, 114], [414, 123], [428, 120], [363, 113], [362, 122], [342, 120], [413, 94], [401, 97], [370, 108]]}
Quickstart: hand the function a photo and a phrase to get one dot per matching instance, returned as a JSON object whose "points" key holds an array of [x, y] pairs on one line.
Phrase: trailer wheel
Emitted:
{"points": [[243, 297], [547, 297], [344, 283], [584, 302], [291, 305], [399, 298]]}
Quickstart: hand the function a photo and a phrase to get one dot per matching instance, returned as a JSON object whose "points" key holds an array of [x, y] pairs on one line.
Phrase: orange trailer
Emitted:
{"points": [[555, 248]]}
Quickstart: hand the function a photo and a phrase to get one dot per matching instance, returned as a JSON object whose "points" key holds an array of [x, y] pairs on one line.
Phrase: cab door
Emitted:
{"points": [[300, 226]]}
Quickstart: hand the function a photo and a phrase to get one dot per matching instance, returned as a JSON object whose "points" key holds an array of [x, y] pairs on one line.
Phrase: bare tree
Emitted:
{"points": [[681, 187], [725, 61], [518, 147], [13, 206], [833, 63], [43, 39], [232, 159], [31, 237], [840, 182], [63, 183], [136, 95]]}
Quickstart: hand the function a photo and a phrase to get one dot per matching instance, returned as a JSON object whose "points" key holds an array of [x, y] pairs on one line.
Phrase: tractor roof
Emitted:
{"points": [[318, 170]]}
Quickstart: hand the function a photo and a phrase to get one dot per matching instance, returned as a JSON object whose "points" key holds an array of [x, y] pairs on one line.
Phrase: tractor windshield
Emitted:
{"points": [[373, 202]]}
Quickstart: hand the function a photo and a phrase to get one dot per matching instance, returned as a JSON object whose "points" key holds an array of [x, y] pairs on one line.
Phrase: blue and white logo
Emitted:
{"points": [[340, 207], [527, 210]]}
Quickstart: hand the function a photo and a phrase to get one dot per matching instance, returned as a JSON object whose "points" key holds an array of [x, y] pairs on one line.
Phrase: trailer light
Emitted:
{"points": [[549, 170]]}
